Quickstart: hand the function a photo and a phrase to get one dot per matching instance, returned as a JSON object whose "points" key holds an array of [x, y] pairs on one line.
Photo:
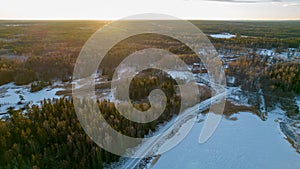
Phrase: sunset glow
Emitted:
{"points": [[116, 9]]}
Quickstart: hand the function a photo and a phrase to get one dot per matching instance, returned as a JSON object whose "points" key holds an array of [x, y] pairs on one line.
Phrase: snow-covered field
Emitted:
{"points": [[10, 96], [245, 143], [222, 35]]}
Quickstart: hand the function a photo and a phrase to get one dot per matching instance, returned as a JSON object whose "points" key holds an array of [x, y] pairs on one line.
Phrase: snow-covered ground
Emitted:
{"points": [[298, 102], [283, 55], [288, 53], [222, 35], [177, 74], [236, 96], [294, 123], [10, 96], [245, 143], [16, 25], [266, 52], [183, 75]]}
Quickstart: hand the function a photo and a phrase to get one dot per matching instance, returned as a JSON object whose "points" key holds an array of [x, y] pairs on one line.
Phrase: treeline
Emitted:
{"points": [[52, 47], [279, 81], [283, 76], [247, 70], [240, 44], [46, 38], [45, 67], [35, 68], [255, 72], [143, 41], [259, 34], [266, 29]]}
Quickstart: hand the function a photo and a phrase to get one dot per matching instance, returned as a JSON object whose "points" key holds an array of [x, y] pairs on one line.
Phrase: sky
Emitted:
{"points": [[184, 9]]}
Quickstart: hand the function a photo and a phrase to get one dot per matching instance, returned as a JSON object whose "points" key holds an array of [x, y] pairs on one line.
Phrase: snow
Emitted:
{"points": [[179, 136], [298, 102], [16, 25], [91, 80], [222, 35], [297, 125], [179, 74], [277, 110], [262, 101], [283, 55], [266, 52], [125, 70], [10, 95], [183, 75], [245, 143], [230, 79], [236, 96]]}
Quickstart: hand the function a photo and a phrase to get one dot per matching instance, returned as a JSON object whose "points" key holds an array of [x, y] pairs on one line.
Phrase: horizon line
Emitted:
{"points": [[113, 19]]}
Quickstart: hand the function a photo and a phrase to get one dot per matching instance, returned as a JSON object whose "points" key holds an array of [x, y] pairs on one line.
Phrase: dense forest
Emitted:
{"points": [[255, 72], [279, 81], [47, 50], [51, 136], [48, 137]]}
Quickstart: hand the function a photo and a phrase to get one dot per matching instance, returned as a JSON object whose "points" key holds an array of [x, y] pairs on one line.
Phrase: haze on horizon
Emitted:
{"points": [[117, 9]]}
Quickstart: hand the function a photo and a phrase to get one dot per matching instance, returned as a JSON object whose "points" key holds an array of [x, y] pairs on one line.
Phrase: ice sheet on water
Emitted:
{"points": [[245, 143]]}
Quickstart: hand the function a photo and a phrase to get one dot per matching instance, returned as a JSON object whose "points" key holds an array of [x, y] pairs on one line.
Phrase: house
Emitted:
{"points": [[199, 68]]}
